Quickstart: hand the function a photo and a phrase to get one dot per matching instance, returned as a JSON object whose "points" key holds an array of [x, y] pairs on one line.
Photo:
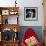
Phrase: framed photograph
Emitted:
{"points": [[5, 12], [30, 13]]}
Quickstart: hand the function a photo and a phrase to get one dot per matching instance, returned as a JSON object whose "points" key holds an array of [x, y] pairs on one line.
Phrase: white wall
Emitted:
{"points": [[26, 3], [31, 3], [7, 3]]}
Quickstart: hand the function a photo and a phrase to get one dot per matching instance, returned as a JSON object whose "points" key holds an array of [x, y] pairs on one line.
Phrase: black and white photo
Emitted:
{"points": [[31, 13]]}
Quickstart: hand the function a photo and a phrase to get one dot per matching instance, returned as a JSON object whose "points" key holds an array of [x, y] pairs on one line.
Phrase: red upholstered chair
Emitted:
{"points": [[29, 33]]}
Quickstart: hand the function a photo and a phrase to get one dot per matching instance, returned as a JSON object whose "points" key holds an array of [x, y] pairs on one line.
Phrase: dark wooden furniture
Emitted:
{"points": [[10, 43], [5, 12], [0, 43]]}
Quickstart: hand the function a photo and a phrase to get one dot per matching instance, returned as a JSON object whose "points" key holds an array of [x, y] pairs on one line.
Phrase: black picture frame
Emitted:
{"points": [[30, 13]]}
